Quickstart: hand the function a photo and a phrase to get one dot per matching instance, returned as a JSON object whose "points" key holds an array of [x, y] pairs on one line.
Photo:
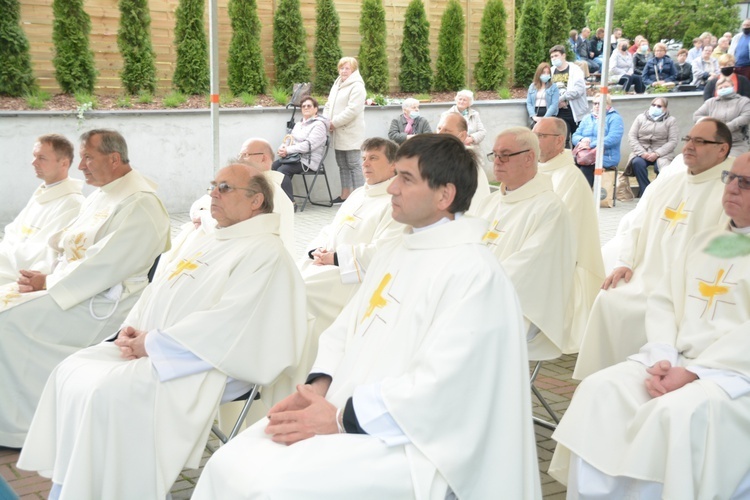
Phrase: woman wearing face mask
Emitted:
{"points": [[653, 139], [464, 100], [543, 98], [621, 69], [731, 108], [705, 67], [409, 123], [640, 58], [726, 67]]}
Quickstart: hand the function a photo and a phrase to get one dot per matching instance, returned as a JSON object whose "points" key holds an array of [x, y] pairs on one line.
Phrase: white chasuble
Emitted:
{"points": [[570, 185], [109, 428], [104, 257], [531, 234], [363, 221], [676, 210], [24, 245], [453, 376], [696, 439]]}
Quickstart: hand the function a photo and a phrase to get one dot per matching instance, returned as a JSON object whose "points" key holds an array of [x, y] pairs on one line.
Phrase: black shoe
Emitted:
{"points": [[338, 200]]}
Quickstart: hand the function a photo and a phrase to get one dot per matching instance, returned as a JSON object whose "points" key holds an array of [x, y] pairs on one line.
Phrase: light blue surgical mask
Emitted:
{"points": [[655, 112], [557, 62], [414, 114], [545, 78], [725, 92]]}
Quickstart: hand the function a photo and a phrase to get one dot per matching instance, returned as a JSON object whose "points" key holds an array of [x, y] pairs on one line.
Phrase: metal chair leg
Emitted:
{"points": [[539, 421]]}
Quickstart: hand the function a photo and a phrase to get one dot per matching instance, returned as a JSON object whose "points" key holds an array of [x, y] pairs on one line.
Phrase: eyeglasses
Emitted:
{"points": [[224, 188], [743, 182], [504, 157], [542, 136], [698, 141], [242, 155], [307, 106]]}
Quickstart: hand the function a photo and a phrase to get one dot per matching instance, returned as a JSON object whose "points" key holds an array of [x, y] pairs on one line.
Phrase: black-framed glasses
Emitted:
{"points": [[250, 154], [743, 182], [698, 141], [504, 157], [224, 188], [542, 136]]}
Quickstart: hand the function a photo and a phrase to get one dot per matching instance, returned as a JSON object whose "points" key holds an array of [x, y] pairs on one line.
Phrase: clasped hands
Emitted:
{"points": [[322, 257], [31, 281], [132, 343], [302, 415], [651, 157], [667, 378]]}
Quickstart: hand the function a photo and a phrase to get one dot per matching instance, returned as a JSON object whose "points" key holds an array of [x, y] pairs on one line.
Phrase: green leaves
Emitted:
{"points": [[451, 66], [530, 48], [490, 71], [134, 41], [289, 47], [246, 73], [327, 48], [729, 246], [373, 62], [74, 62], [416, 73], [191, 74], [16, 78]]}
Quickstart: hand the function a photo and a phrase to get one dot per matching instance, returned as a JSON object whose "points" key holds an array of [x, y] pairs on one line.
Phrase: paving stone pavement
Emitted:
{"points": [[554, 380]]}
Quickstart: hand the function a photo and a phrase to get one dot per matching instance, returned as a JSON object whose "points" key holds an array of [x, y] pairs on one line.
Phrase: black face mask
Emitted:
{"points": [[746, 31], [727, 71]]}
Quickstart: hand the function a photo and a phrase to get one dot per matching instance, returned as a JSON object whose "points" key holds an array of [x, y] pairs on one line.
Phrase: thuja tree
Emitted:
{"points": [[373, 62], [327, 48], [134, 41], [577, 14], [451, 67], [16, 78], [246, 73], [191, 74], [490, 70], [555, 23], [530, 48], [73, 61], [416, 73], [289, 47]]}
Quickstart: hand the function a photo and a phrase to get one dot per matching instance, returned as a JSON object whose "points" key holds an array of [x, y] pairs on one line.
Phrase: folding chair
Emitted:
{"points": [[540, 421], [248, 398], [315, 173]]}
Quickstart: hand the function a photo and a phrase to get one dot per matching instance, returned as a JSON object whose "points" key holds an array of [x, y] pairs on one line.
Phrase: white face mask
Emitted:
{"points": [[725, 92], [655, 112], [544, 78], [414, 114], [557, 62]]}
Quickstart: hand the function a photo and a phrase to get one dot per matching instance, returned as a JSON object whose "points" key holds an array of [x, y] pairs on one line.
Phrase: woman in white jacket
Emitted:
{"points": [[345, 111]]}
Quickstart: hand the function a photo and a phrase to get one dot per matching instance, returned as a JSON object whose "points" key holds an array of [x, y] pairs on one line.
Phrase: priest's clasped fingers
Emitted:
{"points": [[618, 274], [31, 281], [322, 257], [667, 378], [311, 415], [131, 343]]}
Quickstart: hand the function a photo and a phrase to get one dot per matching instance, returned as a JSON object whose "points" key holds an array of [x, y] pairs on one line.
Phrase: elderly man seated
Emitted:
{"points": [[121, 419], [570, 185], [455, 124], [103, 258], [532, 236], [678, 208], [339, 256], [385, 412], [53, 206], [673, 421]]}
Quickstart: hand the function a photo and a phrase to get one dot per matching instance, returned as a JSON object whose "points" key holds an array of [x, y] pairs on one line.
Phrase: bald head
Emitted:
{"points": [[258, 151], [454, 124], [551, 133]]}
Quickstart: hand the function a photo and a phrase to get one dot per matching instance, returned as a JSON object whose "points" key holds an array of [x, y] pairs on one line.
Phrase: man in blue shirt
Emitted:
{"points": [[740, 48]]}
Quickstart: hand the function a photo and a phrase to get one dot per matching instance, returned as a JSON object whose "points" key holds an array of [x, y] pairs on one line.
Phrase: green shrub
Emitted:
{"points": [[191, 74], [145, 97], [33, 101], [577, 9], [289, 47], [124, 101], [504, 93], [373, 61], [16, 77], [248, 99], [555, 23], [423, 97], [86, 97], [225, 98], [73, 61], [530, 48], [416, 73], [490, 71], [246, 73], [280, 95], [174, 99], [451, 67], [43, 95], [327, 51], [134, 41]]}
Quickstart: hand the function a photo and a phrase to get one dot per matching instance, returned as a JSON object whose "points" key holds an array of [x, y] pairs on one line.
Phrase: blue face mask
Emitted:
{"points": [[414, 114], [544, 78], [725, 92], [557, 62], [655, 112]]}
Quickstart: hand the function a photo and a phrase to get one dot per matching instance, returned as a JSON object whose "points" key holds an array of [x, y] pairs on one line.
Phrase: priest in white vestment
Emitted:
{"points": [[122, 419], [420, 387], [531, 234], [103, 258], [260, 153], [455, 124], [569, 183], [675, 211], [53, 206], [673, 421], [337, 259]]}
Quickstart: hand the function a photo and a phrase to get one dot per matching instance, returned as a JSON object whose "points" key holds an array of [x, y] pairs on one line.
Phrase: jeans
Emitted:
{"points": [[628, 81], [288, 169], [640, 169]]}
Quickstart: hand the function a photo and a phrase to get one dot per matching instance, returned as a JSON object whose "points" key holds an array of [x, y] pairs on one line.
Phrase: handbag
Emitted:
{"points": [[584, 157], [293, 157]]}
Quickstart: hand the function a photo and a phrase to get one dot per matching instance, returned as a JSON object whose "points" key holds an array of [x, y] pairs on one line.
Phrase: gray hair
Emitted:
{"points": [[111, 142], [258, 183], [466, 93], [525, 137], [408, 103]]}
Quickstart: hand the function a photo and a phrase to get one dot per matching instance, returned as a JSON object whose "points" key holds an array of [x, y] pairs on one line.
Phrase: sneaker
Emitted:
{"points": [[338, 200]]}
